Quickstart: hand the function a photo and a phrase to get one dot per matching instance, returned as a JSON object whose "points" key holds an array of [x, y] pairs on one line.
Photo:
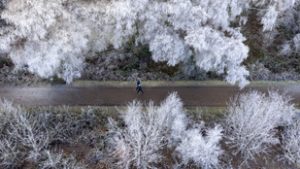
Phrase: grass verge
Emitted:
{"points": [[80, 83]]}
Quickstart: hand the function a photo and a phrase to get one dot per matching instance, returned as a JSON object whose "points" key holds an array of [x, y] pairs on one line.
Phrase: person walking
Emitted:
{"points": [[139, 88]]}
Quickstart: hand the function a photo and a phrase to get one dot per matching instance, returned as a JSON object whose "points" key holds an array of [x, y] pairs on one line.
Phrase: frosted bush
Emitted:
{"points": [[58, 160], [146, 133], [202, 150], [23, 135], [10, 155], [252, 119], [291, 143], [28, 137]]}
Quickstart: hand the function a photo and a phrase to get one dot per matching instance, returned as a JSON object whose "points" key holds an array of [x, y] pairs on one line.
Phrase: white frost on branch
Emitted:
{"points": [[252, 119], [53, 38], [214, 51], [271, 10], [201, 29], [24, 136], [289, 22], [291, 143], [269, 19], [202, 150], [58, 160], [146, 133], [44, 37], [169, 48]]}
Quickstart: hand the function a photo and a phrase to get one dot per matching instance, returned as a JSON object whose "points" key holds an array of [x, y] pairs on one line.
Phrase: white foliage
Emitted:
{"points": [[202, 150], [44, 37], [59, 161], [146, 133], [269, 19], [149, 130], [291, 143], [123, 16], [7, 107], [237, 74], [9, 153], [196, 28], [216, 12], [54, 37], [168, 48], [273, 10], [21, 129], [52, 160], [286, 49], [269, 11], [51, 43], [29, 133], [252, 119], [214, 51], [289, 21], [296, 43]]}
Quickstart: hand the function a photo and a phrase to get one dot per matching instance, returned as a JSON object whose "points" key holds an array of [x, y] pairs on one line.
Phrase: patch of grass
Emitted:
{"points": [[207, 114], [85, 83], [102, 112]]}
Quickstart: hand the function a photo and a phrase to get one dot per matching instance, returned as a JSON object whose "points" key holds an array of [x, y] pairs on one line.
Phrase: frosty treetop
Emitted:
{"points": [[53, 37]]}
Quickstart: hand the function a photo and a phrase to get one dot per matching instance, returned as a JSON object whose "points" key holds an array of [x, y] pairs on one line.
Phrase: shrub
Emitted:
{"points": [[252, 119], [146, 133]]}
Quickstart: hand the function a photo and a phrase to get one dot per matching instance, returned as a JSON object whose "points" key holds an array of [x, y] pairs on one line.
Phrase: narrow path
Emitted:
{"points": [[116, 96]]}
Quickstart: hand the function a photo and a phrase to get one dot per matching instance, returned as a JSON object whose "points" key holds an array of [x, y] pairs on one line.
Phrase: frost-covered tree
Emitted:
{"points": [[252, 119], [290, 37], [272, 10], [58, 160], [268, 11], [44, 37], [197, 28], [202, 150], [54, 37], [23, 136], [291, 143], [146, 133]]}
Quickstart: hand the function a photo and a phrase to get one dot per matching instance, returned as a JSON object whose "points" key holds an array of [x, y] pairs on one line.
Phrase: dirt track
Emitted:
{"points": [[115, 96]]}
